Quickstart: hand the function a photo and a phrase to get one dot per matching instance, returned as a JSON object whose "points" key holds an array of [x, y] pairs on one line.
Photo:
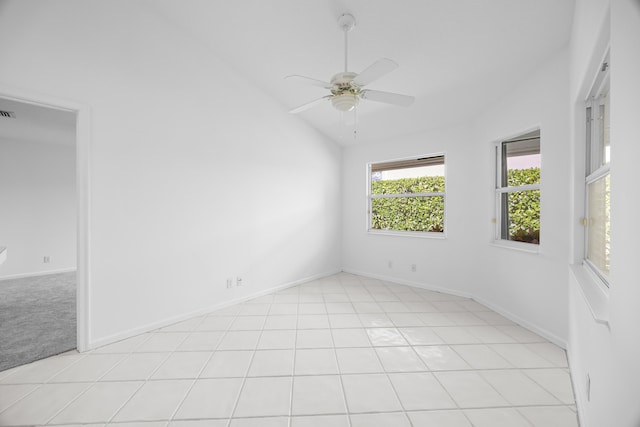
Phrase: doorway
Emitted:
{"points": [[42, 191]]}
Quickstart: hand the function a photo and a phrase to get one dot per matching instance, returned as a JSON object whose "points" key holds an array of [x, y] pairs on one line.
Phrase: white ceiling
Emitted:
{"points": [[455, 56], [37, 123]]}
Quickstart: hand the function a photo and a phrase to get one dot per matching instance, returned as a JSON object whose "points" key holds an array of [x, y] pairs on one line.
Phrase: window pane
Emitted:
{"points": [[522, 162], [604, 129], [519, 211], [523, 217], [599, 223], [589, 154], [408, 213], [414, 180]]}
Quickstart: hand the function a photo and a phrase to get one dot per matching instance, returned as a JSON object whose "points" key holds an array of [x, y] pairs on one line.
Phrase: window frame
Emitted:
{"points": [[595, 167], [403, 233], [500, 190]]}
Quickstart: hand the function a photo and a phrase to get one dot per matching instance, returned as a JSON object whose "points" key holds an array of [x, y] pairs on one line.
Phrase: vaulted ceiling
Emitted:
{"points": [[455, 56]]}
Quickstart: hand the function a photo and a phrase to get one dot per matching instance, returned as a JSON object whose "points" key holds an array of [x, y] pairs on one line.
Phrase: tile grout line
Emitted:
{"points": [[295, 354], [511, 366], [335, 356], [38, 384], [93, 383], [148, 378], [523, 416], [386, 373], [345, 374], [546, 389], [378, 298], [455, 402], [176, 350], [204, 366], [186, 395], [389, 378], [244, 380], [548, 359], [438, 380], [47, 381]]}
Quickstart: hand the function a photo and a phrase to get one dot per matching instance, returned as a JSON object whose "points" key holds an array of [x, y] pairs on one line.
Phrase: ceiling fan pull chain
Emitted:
{"points": [[355, 123]]}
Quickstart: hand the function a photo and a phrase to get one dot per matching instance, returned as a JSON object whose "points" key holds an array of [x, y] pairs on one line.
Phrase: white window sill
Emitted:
{"points": [[594, 292], [419, 234], [517, 246]]}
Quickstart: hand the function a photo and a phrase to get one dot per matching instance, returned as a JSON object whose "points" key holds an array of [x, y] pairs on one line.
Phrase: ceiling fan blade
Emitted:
{"points": [[308, 105], [376, 70], [387, 97], [309, 81]]}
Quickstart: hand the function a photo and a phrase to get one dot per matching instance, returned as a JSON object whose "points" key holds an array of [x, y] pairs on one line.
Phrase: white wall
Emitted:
{"points": [[38, 207], [438, 261], [531, 287], [528, 287], [609, 354], [195, 175]]}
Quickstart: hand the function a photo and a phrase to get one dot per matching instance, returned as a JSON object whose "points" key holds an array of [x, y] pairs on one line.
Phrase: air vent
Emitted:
{"points": [[8, 114]]}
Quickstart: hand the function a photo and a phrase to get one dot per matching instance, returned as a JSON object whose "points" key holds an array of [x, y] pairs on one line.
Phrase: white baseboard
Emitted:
{"points": [[524, 323], [498, 309], [39, 273], [415, 284], [185, 316], [579, 397]]}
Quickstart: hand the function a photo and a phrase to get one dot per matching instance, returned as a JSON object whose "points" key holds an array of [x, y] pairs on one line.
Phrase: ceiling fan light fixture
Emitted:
{"points": [[345, 101]]}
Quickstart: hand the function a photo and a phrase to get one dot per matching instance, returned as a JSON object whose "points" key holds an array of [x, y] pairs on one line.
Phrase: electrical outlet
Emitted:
{"points": [[390, 264], [413, 268], [238, 281], [229, 282], [47, 259]]}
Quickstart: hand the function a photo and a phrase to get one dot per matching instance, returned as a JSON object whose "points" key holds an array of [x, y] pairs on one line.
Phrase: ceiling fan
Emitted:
{"points": [[348, 88]]}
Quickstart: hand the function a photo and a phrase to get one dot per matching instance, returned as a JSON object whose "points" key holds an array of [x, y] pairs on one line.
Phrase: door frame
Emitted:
{"points": [[83, 205]]}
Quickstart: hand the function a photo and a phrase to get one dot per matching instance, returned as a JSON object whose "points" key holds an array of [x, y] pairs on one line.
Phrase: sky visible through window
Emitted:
{"points": [[433, 170], [524, 162]]}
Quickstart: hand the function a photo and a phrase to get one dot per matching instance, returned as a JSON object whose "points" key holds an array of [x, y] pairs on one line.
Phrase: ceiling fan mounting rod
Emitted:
{"points": [[346, 50], [346, 22]]}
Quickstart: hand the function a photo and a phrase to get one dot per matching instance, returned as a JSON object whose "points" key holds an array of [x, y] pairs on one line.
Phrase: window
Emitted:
{"points": [[407, 195], [518, 189], [597, 184]]}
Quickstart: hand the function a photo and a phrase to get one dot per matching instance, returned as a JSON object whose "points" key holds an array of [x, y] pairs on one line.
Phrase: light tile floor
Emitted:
{"points": [[341, 351]]}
